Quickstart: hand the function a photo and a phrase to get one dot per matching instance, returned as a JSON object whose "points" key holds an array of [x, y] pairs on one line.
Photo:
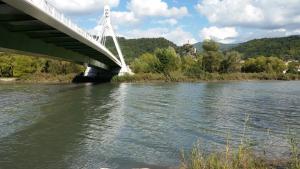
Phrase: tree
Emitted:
{"points": [[210, 45], [191, 66], [264, 64], [293, 67], [231, 63], [212, 57], [6, 65], [169, 61], [275, 65], [212, 61], [24, 65], [146, 63]]}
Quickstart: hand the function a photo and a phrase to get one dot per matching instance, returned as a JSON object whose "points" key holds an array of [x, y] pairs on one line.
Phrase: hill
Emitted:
{"points": [[284, 47], [223, 47], [133, 48]]}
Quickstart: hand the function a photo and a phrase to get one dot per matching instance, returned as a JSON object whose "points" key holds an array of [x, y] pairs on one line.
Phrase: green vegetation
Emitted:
{"points": [[242, 156], [284, 48], [133, 48], [160, 59], [36, 69], [264, 64], [223, 47], [211, 64]]}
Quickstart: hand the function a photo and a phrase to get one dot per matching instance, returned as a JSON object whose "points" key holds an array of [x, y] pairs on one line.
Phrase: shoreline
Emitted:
{"points": [[151, 78], [209, 77], [154, 78]]}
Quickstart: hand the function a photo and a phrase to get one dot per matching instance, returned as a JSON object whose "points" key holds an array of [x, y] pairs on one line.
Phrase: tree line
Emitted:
{"points": [[211, 60], [14, 65], [284, 47]]}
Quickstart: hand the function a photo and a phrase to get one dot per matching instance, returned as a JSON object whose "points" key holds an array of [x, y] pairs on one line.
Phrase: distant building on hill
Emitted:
{"points": [[187, 50]]}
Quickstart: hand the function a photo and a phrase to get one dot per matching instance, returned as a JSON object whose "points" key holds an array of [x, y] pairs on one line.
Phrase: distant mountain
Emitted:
{"points": [[223, 47], [133, 48], [284, 47]]}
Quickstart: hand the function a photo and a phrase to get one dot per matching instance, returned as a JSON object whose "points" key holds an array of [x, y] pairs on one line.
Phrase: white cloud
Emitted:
{"points": [[171, 22], [223, 35], [123, 18], [177, 35], [263, 14], [82, 6], [155, 8]]}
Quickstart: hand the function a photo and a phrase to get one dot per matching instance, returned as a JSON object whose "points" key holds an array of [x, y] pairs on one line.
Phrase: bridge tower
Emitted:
{"points": [[106, 30]]}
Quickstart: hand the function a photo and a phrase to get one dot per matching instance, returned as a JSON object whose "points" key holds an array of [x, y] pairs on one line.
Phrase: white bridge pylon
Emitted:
{"points": [[106, 30]]}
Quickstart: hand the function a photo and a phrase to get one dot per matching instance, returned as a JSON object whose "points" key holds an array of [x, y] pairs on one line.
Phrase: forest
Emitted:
{"points": [[163, 58], [38, 68], [285, 47], [212, 60]]}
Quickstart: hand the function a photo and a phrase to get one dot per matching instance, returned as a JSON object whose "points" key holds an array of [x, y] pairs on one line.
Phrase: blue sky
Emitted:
{"points": [[182, 21]]}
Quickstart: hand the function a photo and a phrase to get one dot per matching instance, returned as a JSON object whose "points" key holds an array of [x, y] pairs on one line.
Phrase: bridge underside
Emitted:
{"points": [[22, 33]]}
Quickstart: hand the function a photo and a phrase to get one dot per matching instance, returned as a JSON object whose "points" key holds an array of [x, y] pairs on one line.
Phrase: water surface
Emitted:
{"points": [[139, 125]]}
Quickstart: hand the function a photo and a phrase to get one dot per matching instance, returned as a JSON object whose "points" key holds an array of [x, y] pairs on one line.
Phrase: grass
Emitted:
{"points": [[47, 78], [242, 157], [180, 77]]}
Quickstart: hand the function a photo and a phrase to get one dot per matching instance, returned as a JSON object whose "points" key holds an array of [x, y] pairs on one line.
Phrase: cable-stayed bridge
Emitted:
{"points": [[35, 27]]}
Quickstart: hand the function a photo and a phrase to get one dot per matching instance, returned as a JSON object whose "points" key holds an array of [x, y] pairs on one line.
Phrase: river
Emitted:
{"points": [[122, 126]]}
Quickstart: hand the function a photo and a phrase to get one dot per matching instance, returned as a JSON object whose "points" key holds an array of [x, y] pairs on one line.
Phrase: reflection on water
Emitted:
{"points": [[138, 125]]}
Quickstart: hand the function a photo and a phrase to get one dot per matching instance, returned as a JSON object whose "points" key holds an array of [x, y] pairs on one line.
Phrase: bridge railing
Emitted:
{"points": [[52, 11]]}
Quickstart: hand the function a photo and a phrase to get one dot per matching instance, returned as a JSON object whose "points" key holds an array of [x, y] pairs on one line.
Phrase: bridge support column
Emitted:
{"points": [[94, 75]]}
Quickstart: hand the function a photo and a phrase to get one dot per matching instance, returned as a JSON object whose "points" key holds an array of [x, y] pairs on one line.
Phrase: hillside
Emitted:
{"points": [[132, 48], [223, 47], [284, 47]]}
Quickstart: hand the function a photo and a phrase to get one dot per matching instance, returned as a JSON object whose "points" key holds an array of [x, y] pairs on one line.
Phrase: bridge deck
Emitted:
{"points": [[21, 22]]}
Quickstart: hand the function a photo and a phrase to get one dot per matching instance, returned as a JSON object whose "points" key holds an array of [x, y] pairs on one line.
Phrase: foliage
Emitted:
{"points": [[264, 64], [212, 57], [293, 67], [231, 62], [212, 64], [6, 65], [212, 61], [210, 45], [146, 63], [223, 47], [241, 156], [191, 66], [133, 48], [285, 48], [168, 60], [13, 65]]}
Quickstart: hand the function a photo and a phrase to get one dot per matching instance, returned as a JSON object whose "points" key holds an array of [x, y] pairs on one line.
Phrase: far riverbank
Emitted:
{"points": [[178, 77], [44, 78], [40, 78]]}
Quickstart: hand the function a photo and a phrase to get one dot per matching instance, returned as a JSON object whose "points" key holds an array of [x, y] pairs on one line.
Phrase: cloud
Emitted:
{"points": [[223, 35], [262, 14], [177, 35], [152, 8], [123, 18], [171, 22], [82, 6]]}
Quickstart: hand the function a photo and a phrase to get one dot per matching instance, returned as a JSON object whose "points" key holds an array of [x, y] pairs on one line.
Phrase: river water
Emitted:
{"points": [[124, 126]]}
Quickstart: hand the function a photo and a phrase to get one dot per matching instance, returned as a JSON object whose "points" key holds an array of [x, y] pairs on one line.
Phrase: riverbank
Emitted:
{"points": [[41, 78], [178, 77], [46, 78], [242, 157]]}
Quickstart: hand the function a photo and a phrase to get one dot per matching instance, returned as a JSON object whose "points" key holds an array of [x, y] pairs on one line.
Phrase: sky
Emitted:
{"points": [[189, 21]]}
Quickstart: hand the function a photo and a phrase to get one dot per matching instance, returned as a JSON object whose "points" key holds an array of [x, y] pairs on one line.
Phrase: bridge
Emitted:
{"points": [[35, 27]]}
